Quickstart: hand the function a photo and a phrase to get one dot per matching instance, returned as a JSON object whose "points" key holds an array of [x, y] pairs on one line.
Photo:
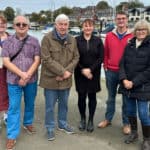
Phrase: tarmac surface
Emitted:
{"points": [[110, 138]]}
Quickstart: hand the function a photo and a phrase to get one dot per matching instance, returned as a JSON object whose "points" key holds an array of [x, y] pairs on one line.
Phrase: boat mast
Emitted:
{"points": [[52, 10]]}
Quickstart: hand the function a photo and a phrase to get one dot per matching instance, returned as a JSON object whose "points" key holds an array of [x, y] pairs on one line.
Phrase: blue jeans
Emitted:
{"points": [[14, 110], [112, 81], [51, 97], [143, 108]]}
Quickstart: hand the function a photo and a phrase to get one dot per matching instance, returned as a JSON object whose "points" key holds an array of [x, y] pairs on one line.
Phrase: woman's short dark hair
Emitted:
{"points": [[88, 21]]}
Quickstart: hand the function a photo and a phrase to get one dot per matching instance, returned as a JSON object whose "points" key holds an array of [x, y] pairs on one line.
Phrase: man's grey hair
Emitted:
{"points": [[62, 17], [142, 24], [16, 19]]}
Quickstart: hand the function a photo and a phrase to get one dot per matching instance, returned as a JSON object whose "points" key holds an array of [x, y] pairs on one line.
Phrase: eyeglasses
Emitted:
{"points": [[142, 30], [124, 18], [21, 24]]}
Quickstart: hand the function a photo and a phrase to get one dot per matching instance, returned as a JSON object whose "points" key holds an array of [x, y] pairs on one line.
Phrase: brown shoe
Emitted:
{"points": [[30, 129], [126, 129], [10, 144], [104, 124]]}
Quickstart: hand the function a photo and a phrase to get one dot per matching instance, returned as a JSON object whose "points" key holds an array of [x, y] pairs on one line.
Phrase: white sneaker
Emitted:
{"points": [[5, 118]]}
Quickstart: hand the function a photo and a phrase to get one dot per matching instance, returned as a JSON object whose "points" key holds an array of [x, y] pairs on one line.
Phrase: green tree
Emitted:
{"points": [[130, 5], [102, 5], [9, 13], [43, 20], [35, 17], [135, 4], [122, 5], [49, 15], [64, 10]]}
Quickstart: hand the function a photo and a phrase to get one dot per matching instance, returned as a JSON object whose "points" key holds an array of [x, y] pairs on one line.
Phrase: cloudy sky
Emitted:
{"points": [[37, 5]]}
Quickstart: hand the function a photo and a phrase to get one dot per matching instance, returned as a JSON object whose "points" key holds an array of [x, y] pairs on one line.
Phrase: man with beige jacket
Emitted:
{"points": [[59, 58]]}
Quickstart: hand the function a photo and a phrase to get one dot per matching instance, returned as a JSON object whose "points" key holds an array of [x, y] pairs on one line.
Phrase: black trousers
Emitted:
{"points": [[92, 102]]}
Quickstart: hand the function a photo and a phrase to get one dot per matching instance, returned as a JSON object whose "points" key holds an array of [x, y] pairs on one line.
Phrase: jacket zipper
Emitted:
{"points": [[129, 93]]}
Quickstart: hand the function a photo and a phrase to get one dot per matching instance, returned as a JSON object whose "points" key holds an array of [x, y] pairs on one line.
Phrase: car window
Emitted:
{"points": [[108, 29]]}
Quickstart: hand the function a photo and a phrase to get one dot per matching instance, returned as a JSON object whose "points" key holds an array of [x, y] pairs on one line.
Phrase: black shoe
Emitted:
{"points": [[131, 138], [146, 145], [82, 125], [90, 126]]}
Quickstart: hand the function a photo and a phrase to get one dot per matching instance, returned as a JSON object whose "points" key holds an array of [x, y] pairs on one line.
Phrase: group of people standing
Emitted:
{"points": [[126, 59]]}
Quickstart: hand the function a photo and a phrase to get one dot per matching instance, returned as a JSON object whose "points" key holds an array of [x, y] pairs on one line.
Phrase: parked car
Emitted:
{"points": [[47, 28], [96, 33], [106, 30], [75, 31]]}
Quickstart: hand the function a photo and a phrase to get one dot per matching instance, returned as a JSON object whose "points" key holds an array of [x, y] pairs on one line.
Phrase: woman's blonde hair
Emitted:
{"points": [[142, 24]]}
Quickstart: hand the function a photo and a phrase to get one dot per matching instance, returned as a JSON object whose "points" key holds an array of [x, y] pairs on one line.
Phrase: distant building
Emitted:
{"points": [[105, 14], [80, 14], [147, 13], [136, 14]]}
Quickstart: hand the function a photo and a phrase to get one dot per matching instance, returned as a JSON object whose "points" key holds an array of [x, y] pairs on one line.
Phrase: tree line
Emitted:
{"points": [[45, 16]]}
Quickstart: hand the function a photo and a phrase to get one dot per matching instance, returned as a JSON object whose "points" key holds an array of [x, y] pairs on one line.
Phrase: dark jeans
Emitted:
{"points": [[51, 97], [112, 81], [91, 104], [143, 108]]}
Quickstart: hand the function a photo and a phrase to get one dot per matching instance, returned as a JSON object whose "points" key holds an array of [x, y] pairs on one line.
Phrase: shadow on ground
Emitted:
{"points": [[110, 138]]}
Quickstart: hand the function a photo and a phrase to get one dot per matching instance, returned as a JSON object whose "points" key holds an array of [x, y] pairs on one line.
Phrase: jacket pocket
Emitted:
{"points": [[70, 53], [55, 53]]}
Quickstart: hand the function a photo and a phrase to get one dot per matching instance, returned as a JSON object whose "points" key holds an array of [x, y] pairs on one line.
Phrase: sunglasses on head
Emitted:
{"points": [[21, 24]]}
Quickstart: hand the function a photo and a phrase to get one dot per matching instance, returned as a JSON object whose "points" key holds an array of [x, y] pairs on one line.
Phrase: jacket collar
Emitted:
{"points": [[146, 40], [115, 31], [55, 37], [83, 39]]}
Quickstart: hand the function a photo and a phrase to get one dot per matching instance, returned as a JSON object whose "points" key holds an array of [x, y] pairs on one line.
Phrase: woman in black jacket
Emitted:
{"points": [[135, 81], [87, 72]]}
